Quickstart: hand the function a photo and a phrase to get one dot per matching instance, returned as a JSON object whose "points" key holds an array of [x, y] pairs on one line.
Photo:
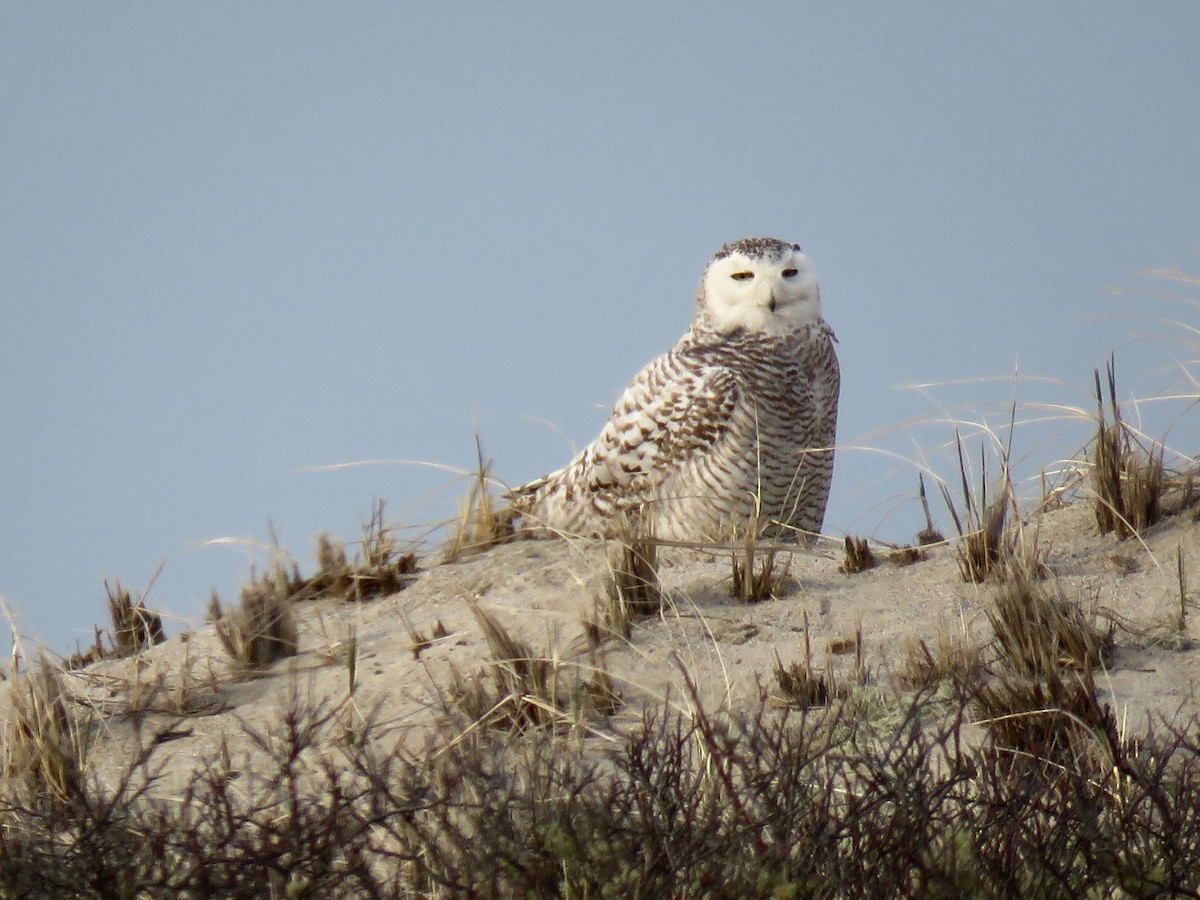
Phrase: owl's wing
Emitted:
{"points": [[825, 385], [674, 409]]}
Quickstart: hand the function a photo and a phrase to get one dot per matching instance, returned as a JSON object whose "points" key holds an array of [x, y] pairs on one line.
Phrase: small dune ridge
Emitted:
{"points": [[1002, 707]]}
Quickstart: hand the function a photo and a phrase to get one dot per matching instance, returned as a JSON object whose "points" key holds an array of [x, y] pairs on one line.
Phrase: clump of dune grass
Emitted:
{"points": [[262, 629], [983, 542], [333, 573], [1177, 636], [755, 576], [480, 524], [905, 555], [598, 695], [45, 747], [384, 568], [1035, 721], [929, 534], [857, 556], [135, 627], [43, 750], [379, 567], [799, 685], [945, 659], [802, 685], [1040, 700], [422, 641], [1127, 478], [524, 686], [1037, 629], [526, 690], [632, 589], [94, 653]]}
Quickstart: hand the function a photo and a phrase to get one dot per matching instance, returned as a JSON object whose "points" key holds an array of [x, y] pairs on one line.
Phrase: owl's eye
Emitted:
{"points": [[790, 273], [742, 276]]}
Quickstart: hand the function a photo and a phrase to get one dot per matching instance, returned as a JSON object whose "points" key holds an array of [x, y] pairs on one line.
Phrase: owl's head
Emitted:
{"points": [[759, 284]]}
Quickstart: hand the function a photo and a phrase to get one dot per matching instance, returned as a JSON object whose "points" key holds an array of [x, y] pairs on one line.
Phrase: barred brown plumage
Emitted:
{"points": [[736, 422]]}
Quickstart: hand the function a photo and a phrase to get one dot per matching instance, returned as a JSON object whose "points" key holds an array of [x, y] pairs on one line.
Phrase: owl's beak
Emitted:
{"points": [[772, 303]]}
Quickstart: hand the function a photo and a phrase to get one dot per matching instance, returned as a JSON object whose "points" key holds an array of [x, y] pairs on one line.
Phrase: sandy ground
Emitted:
{"points": [[541, 589]]}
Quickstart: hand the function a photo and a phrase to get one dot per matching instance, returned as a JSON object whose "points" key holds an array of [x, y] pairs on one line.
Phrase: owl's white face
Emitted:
{"points": [[760, 285]]}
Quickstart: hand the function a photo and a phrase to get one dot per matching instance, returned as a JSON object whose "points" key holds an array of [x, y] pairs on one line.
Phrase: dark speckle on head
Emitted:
{"points": [[756, 248]]}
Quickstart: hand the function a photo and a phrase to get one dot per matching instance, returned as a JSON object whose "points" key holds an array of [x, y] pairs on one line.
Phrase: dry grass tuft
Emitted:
{"points": [[1177, 638], [600, 692], [929, 534], [952, 660], [526, 691], [1127, 479], [45, 748], [333, 573], [421, 641], [262, 630], [858, 556], [905, 556], [801, 686], [1045, 720], [378, 569], [632, 590], [983, 544], [381, 569], [83, 658], [752, 581], [523, 693], [1038, 630], [135, 628], [1040, 701], [480, 525]]}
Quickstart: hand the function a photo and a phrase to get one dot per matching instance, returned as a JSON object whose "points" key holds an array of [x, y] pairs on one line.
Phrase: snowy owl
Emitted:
{"points": [[734, 424]]}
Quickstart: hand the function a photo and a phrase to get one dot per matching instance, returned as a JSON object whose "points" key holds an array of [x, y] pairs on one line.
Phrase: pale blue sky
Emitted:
{"points": [[239, 240]]}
